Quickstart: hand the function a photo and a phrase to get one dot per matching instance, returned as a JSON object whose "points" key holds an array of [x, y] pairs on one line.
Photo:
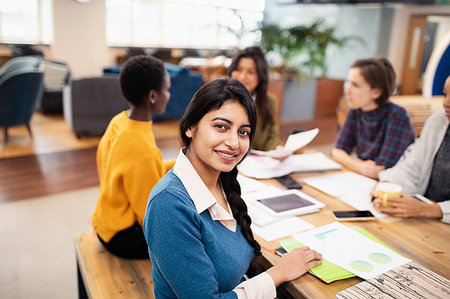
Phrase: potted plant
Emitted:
{"points": [[303, 50]]}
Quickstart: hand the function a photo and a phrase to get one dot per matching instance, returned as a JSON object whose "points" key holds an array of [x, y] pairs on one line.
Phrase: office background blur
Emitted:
{"points": [[49, 183], [90, 35]]}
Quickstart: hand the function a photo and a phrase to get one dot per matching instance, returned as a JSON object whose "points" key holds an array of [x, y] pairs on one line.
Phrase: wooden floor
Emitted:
{"points": [[55, 161], [38, 175]]}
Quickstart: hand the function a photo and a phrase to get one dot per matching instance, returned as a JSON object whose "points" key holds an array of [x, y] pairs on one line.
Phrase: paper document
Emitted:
{"points": [[293, 143], [248, 184], [327, 271], [259, 217], [341, 183], [350, 250], [262, 167], [281, 228], [349, 187]]}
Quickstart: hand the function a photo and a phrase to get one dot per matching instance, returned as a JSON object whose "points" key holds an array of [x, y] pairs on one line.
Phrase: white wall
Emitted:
{"points": [[443, 28], [80, 33], [367, 21], [399, 30], [362, 21], [80, 36]]}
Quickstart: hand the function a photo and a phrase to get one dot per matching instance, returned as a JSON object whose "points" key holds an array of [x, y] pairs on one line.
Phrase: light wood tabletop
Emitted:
{"points": [[424, 241]]}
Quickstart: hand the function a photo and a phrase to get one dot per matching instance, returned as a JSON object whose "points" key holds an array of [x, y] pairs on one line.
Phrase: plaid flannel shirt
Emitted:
{"points": [[380, 135]]}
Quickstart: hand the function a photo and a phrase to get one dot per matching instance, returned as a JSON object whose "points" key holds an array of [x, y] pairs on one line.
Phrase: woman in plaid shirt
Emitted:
{"points": [[376, 129]]}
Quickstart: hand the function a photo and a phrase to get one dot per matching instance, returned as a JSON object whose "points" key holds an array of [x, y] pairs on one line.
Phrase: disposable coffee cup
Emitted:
{"points": [[384, 190]]}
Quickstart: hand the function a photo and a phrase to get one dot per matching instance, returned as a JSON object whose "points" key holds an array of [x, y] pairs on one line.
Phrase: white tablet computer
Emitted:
{"points": [[289, 202]]}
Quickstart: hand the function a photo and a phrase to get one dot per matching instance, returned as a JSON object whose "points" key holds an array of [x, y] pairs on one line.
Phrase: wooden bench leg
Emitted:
{"points": [[82, 294]]}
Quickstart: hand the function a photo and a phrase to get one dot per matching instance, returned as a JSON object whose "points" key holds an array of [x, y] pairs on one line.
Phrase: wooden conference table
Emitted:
{"points": [[424, 241]]}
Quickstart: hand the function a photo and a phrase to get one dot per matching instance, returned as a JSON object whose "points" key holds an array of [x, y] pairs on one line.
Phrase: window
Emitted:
{"points": [[26, 21], [215, 24]]}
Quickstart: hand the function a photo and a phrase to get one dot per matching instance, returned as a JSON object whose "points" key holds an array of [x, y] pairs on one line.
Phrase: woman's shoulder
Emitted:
{"points": [[272, 98], [396, 111], [170, 191], [436, 120]]}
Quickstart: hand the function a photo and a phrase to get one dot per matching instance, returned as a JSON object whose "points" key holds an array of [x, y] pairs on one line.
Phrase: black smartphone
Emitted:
{"points": [[353, 215], [280, 251], [289, 182]]}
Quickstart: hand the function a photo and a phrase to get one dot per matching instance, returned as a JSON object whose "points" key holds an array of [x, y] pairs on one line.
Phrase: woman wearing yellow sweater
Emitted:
{"points": [[129, 162]]}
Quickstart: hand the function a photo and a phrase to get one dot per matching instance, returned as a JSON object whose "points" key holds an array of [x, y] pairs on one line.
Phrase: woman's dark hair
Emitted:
{"points": [[262, 102], [212, 96], [140, 75], [378, 73]]}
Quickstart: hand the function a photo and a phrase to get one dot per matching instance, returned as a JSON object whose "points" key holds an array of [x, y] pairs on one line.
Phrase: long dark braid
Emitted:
{"points": [[232, 190]]}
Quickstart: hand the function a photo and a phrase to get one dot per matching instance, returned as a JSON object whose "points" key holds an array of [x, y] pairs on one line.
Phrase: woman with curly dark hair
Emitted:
{"points": [[196, 223]]}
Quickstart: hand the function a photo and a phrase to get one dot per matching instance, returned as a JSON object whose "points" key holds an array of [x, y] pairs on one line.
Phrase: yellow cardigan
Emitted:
{"points": [[129, 165]]}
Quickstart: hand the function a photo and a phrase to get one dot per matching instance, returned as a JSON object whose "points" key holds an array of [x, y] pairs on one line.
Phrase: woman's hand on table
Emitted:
{"points": [[294, 264], [369, 168], [407, 206]]}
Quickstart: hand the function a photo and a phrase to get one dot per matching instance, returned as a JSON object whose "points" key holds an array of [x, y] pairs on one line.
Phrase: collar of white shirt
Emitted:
{"points": [[200, 194]]}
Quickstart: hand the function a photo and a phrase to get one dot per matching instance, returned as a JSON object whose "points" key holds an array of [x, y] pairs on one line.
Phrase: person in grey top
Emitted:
{"points": [[423, 169]]}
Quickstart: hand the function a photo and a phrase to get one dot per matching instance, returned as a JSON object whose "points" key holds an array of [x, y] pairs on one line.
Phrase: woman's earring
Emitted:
{"points": [[153, 102]]}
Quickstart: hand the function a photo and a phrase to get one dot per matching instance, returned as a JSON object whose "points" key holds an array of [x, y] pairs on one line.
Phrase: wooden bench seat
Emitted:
{"points": [[419, 109], [104, 275]]}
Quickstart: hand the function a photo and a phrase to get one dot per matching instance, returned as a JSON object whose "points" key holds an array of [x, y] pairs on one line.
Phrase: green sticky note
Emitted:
{"points": [[326, 271]]}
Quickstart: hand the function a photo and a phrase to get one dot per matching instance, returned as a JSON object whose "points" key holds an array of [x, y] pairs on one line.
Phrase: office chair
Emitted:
{"points": [[20, 90], [17, 63]]}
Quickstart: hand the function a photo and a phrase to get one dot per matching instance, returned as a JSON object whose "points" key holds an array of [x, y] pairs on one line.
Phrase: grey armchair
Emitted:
{"points": [[56, 76], [19, 93], [90, 103], [17, 63]]}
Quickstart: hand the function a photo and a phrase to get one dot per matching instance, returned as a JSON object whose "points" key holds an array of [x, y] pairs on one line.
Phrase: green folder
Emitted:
{"points": [[327, 271]]}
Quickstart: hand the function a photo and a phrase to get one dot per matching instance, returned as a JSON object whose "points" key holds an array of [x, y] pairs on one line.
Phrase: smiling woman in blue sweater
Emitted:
{"points": [[196, 223]]}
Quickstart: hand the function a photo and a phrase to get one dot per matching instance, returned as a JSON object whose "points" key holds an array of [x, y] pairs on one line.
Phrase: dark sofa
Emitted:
{"points": [[184, 84]]}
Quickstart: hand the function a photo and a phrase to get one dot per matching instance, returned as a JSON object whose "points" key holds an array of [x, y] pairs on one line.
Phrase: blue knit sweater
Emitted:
{"points": [[193, 256]]}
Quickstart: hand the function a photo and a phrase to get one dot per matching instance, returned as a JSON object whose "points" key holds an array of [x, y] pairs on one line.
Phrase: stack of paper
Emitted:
{"points": [[281, 228], [249, 185], [349, 187], [293, 143], [265, 225], [327, 271], [263, 167]]}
